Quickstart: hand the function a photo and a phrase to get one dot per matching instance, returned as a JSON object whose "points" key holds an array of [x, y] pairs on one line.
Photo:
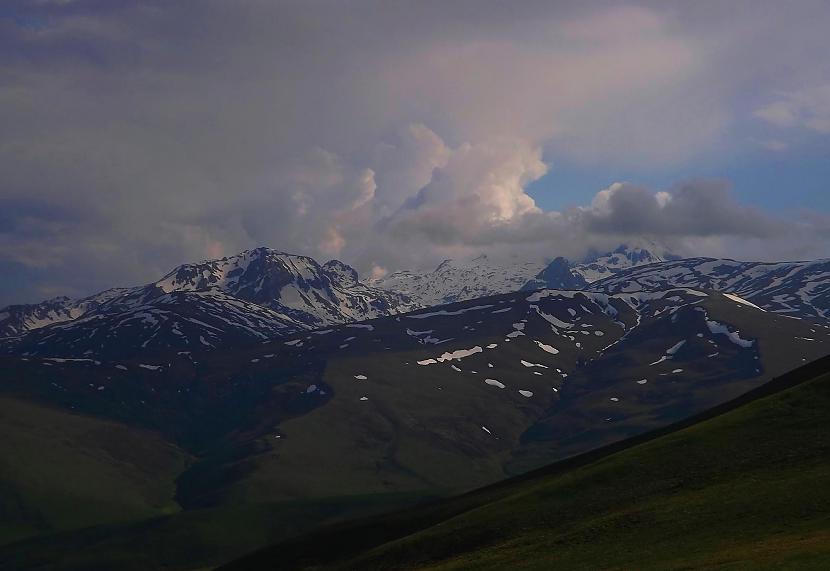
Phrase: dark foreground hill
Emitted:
{"points": [[743, 486]]}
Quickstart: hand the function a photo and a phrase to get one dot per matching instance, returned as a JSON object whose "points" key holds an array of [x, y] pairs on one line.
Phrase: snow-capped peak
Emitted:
{"points": [[295, 288], [289, 283], [231, 272], [458, 280], [598, 266]]}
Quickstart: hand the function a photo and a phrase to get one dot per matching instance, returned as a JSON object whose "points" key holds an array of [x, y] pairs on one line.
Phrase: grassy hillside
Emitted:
{"points": [[749, 488], [81, 493], [60, 471]]}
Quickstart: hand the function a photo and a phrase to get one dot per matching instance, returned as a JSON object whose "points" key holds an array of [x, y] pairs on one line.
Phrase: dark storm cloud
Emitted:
{"points": [[697, 208]]}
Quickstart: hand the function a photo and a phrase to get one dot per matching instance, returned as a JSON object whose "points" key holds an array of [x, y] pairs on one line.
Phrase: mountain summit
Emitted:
{"points": [[562, 274], [295, 285], [251, 296]]}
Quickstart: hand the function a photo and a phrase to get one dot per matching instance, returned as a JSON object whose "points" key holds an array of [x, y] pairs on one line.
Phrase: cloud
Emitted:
{"points": [[477, 203], [405, 164], [140, 135], [807, 108], [480, 185], [696, 208]]}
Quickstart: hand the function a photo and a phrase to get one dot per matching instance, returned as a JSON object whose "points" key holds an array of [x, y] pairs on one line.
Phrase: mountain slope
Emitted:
{"points": [[441, 399], [799, 289], [18, 319], [745, 487], [60, 470], [355, 417], [177, 321]]}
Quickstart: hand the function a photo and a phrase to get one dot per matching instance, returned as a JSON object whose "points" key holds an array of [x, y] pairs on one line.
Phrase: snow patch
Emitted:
{"points": [[734, 336], [740, 300], [449, 356], [546, 348], [445, 312], [459, 354]]}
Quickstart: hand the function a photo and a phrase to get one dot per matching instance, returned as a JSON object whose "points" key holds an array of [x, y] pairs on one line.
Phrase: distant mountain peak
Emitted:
{"points": [[557, 275], [252, 295], [457, 280], [596, 266]]}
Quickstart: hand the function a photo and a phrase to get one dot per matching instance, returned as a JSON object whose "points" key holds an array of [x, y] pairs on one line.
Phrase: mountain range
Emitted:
{"points": [[239, 401], [253, 296], [257, 295], [459, 280], [264, 294]]}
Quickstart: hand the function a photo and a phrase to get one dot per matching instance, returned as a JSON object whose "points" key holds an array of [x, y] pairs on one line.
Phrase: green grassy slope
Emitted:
{"points": [[749, 488], [81, 493], [62, 471]]}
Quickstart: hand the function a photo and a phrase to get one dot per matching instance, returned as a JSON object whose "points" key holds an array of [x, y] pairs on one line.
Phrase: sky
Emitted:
{"points": [[139, 135]]}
